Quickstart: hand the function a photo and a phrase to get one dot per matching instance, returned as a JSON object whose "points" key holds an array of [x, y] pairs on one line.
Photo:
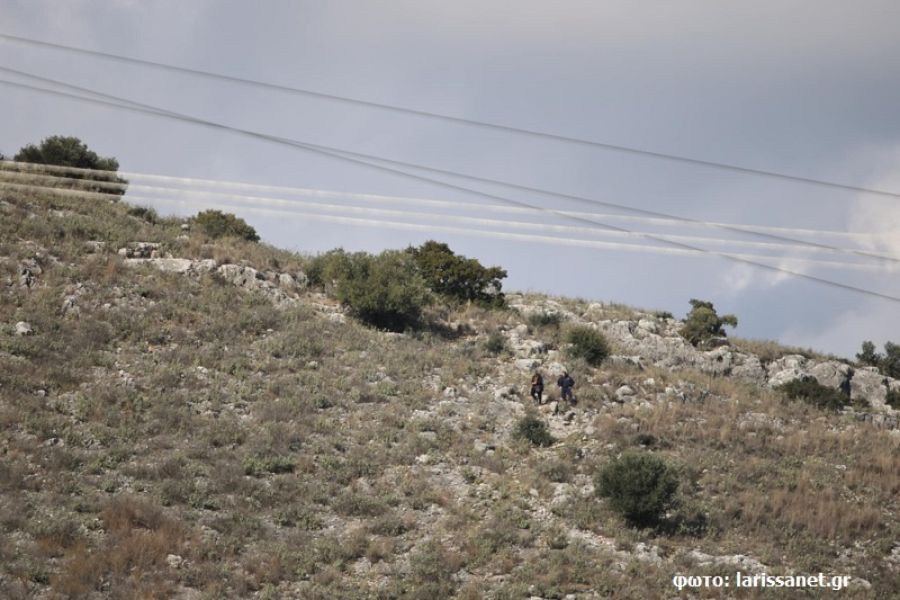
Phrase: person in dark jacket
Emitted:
{"points": [[566, 383], [537, 387]]}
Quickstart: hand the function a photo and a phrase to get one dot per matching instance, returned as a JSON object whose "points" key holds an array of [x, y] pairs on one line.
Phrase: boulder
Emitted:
{"points": [[527, 364], [24, 328], [868, 384], [624, 393]]}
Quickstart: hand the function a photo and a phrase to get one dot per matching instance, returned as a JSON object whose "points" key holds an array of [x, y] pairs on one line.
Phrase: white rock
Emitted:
{"points": [[174, 561], [24, 328], [527, 364]]}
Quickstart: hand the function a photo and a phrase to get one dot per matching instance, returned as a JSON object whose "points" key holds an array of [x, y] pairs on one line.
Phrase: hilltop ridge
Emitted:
{"points": [[192, 417]]}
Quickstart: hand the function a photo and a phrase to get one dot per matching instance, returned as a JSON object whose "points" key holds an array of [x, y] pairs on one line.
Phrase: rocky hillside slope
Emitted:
{"points": [[185, 417]]}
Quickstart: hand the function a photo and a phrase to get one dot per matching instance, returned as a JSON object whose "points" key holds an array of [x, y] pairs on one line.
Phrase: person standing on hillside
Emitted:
{"points": [[566, 383], [537, 387]]}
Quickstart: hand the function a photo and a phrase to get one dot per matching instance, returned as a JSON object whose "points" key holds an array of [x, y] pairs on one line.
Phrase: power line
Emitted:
{"points": [[248, 200], [8, 166], [363, 159], [457, 120], [124, 104], [430, 228]]}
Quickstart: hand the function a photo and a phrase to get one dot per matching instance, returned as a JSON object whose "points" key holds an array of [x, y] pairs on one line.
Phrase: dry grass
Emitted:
{"points": [[185, 418]]}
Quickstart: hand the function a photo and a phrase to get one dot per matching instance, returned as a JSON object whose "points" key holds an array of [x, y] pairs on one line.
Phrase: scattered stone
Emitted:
{"points": [[140, 250], [624, 393], [174, 561]]}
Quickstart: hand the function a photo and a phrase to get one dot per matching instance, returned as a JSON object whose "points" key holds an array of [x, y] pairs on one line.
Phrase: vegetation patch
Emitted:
{"points": [[809, 390], [703, 323], [639, 486], [588, 344], [217, 224], [535, 431]]}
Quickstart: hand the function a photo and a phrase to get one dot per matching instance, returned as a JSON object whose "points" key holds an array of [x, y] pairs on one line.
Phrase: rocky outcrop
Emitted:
{"points": [[140, 250], [645, 339]]}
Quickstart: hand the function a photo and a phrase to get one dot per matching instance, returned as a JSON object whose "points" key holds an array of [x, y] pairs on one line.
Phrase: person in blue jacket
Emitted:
{"points": [[566, 383]]}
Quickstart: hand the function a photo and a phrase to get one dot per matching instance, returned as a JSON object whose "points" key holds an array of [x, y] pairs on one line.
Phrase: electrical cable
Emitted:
{"points": [[455, 119], [128, 105]]}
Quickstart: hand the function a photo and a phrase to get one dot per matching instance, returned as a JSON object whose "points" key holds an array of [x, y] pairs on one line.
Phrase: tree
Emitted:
{"points": [[888, 363], [216, 224], [867, 355], [72, 152], [703, 323], [457, 277]]}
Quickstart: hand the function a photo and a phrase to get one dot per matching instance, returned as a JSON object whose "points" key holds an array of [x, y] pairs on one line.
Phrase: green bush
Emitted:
{"points": [[888, 363], [812, 392], [587, 343], [703, 323], [71, 152], [384, 290], [217, 224], [274, 464], [544, 319], [457, 277], [535, 431], [893, 398], [640, 486], [145, 213], [495, 344], [327, 269]]}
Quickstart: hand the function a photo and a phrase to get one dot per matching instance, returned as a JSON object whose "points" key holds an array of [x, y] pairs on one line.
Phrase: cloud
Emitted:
{"points": [[876, 215]]}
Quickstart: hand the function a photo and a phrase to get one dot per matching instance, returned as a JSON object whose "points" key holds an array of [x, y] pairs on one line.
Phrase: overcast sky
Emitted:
{"points": [[803, 87]]}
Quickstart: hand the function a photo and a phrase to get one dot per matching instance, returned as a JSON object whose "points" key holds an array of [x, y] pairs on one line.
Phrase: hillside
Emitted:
{"points": [[188, 417]]}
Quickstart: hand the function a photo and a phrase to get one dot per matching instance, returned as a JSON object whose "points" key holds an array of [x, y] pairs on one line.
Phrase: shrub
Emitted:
{"points": [[495, 343], [145, 213], [892, 398], [639, 486], [70, 152], [383, 290], [703, 323], [275, 464], [329, 268], [217, 224], [457, 277], [812, 392], [544, 319], [534, 430], [587, 343]]}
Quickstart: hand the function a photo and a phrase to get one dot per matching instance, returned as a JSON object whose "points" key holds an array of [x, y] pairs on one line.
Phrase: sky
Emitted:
{"points": [[802, 87]]}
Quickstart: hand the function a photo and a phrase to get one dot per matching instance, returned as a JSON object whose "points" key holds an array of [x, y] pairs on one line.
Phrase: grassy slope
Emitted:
{"points": [[278, 453]]}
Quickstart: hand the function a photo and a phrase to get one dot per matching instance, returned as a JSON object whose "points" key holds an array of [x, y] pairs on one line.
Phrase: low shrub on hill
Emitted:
{"points": [[544, 319], [384, 290], [327, 269], [812, 392], [495, 344], [216, 224], [535, 431], [640, 486], [588, 344], [893, 398]]}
